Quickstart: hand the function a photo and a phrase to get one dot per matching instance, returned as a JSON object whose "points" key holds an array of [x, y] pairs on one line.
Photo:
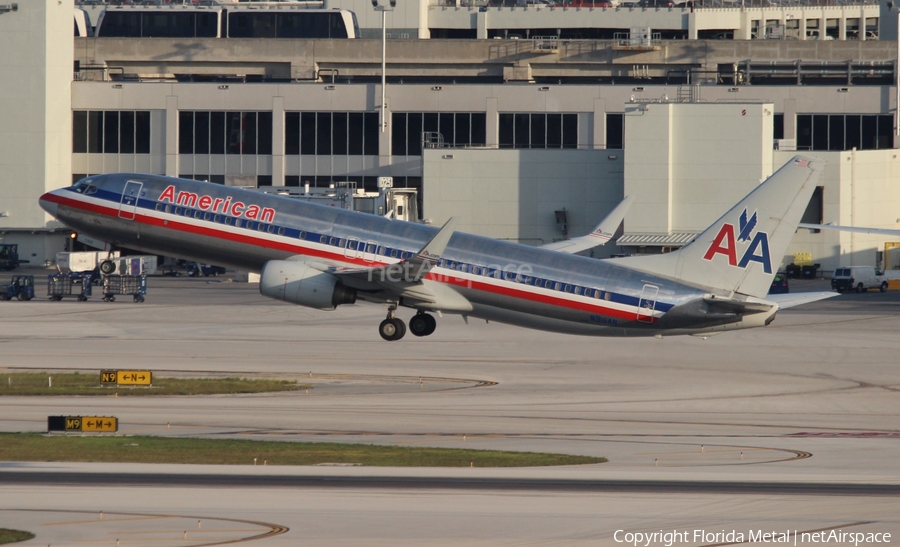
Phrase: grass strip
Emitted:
{"points": [[144, 449], [49, 383], [12, 536]]}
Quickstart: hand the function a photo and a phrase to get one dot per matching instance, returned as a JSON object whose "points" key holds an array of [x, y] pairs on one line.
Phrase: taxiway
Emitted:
{"points": [[793, 426]]}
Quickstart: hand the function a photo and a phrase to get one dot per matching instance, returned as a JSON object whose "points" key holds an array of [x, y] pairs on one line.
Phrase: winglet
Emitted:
{"points": [[433, 250], [409, 271]]}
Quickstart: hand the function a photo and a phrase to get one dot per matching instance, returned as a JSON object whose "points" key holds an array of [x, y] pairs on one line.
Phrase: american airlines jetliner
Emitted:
{"points": [[323, 257]]}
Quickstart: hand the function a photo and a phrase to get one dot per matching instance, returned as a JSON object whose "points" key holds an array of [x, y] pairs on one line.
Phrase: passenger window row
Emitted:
{"points": [[374, 248]]}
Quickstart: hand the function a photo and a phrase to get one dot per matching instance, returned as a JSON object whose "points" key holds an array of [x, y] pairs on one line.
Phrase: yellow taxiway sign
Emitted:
{"points": [[126, 377]]}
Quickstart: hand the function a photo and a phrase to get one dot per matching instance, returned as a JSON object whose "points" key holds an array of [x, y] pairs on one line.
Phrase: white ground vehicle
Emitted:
{"points": [[859, 278]]}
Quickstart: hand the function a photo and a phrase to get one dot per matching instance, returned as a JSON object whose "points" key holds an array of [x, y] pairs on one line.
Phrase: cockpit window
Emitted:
{"points": [[82, 185], [91, 189]]}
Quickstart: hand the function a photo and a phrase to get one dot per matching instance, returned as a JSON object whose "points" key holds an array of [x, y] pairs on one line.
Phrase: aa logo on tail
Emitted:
{"points": [[726, 243]]}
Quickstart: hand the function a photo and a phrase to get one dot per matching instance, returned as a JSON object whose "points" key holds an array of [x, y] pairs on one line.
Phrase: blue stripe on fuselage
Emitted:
{"points": [[340, 242]]}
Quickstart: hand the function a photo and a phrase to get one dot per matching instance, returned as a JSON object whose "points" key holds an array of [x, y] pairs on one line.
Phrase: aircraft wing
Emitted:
{"points": [[411, 270], [602, 233], [407, 279], [860, 230], [789, 300]]}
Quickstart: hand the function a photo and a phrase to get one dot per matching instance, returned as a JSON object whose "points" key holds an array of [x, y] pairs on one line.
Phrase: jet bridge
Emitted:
{"points": [[396, 203]]}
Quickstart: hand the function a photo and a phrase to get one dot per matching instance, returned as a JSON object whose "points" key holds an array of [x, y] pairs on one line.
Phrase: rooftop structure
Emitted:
{"points": [[540, 60], [578, 20]]}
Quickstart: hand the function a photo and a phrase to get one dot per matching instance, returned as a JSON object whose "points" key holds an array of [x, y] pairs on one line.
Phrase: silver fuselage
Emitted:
{"points": [[504, 281]]}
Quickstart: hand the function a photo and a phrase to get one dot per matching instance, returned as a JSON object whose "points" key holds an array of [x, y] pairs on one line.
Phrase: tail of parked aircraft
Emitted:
{"points": [[740, 252]]}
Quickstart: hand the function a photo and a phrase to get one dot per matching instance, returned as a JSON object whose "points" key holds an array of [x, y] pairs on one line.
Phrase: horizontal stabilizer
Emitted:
{"points": [[789, 300], [741, 307], [855, 229]]}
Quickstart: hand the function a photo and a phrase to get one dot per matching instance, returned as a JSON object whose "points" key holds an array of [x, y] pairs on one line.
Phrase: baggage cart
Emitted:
{"points": [[70, 284], [134, 285]]}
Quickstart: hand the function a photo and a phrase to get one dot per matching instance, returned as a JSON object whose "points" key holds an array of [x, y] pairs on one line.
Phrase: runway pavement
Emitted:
{"points": [[790, 427]]}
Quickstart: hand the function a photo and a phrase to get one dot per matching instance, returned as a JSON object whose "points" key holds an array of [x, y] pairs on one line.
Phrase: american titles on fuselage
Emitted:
{"points": [[217, 205]]}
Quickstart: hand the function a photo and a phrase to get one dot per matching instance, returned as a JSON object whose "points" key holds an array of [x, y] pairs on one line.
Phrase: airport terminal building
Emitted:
{"points": [[531, 138]]}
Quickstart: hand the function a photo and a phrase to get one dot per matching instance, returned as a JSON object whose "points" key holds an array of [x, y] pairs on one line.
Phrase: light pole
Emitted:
{"points": [[383, 10]]}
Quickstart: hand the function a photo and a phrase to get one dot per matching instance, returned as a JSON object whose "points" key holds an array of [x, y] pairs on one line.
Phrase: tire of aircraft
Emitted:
{"points": [[107, 267], [432, 324], [422, 324], [392, 329]]}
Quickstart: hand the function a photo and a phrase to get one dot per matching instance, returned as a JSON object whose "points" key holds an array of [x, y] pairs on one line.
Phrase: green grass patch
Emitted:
{"points": [[12, 536], [49, 383], [44, 448]]}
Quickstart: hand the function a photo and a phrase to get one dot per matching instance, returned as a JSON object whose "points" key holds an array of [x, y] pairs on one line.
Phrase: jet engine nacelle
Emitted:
{"points": [[299, 283]]}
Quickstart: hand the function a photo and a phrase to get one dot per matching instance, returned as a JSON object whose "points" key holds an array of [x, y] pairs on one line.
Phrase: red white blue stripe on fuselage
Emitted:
{"points": [[603, 308]]}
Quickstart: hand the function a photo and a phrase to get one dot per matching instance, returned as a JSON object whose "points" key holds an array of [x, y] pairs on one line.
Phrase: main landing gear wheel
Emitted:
{"points": [[107, 267], [422, 324], [392, 329]]}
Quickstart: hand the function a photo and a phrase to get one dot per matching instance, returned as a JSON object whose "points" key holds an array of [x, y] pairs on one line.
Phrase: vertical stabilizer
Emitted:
{"points": [[740, 252], [601, 233]]}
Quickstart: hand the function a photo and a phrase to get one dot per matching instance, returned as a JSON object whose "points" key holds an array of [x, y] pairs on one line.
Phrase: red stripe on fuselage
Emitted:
{"points": [[297, 249]]}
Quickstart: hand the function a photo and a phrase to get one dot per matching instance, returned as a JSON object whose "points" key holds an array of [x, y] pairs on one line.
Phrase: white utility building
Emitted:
{"points": [[35, 115]]}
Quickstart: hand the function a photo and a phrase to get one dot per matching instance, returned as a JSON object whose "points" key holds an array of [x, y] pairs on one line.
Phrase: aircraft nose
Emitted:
{"points": [[48, 203]]}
